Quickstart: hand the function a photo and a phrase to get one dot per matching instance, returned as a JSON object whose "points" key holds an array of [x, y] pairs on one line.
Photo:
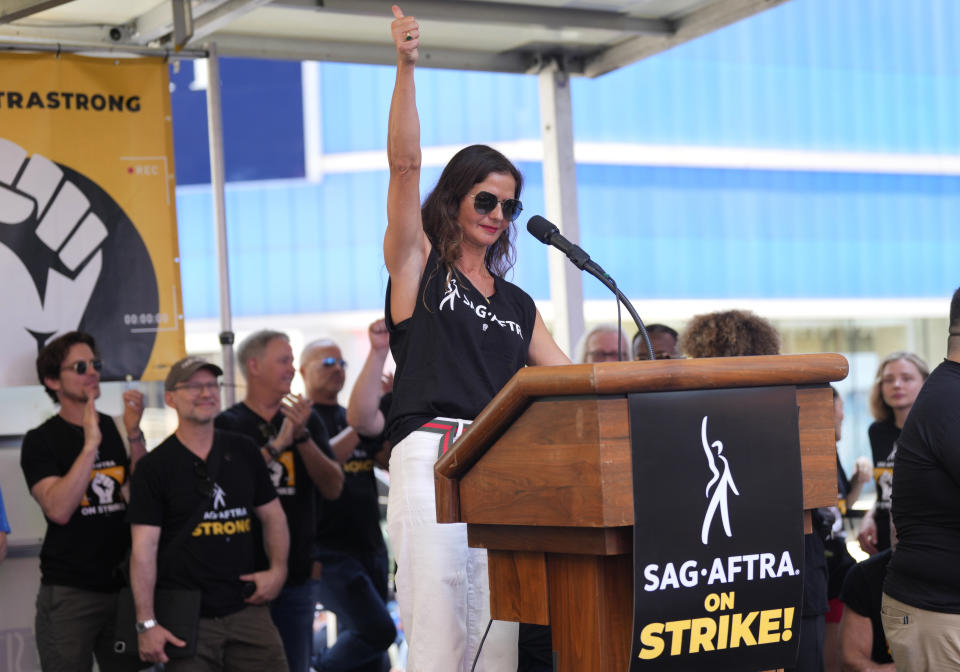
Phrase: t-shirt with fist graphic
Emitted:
{"points": [[85, 552]]}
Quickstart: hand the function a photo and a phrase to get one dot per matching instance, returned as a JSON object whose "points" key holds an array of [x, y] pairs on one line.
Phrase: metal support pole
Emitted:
{"points": [[560, 195], [217, 181]]}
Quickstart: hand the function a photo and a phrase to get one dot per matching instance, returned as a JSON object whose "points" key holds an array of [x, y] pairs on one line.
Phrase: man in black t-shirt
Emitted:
{"points": [[76, 467], [353, 581], [192, 508], [294, 445], [921, 594]]}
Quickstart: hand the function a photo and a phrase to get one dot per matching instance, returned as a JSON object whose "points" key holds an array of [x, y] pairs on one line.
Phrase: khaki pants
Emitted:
{"points": [[920, 640], [246, 641]]}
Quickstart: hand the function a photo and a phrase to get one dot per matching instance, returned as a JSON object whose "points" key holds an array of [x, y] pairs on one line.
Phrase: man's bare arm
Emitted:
{"points": [[143, 583]]}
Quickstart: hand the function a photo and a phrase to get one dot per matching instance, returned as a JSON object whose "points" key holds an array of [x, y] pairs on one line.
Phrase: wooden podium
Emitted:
{"points": [[543, 480]]}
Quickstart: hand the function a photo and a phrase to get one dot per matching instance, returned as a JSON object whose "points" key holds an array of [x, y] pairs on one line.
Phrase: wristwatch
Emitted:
{"points": [[143, 626], [301, 439]]}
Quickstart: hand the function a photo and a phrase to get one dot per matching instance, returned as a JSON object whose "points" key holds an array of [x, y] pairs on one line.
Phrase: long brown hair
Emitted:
{"points": [[441, 208]]}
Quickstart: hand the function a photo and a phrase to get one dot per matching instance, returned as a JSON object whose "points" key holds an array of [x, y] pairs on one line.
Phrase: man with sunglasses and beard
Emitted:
{"points": [[353, 579], [295, 446], [195, 499], [77, 467]]}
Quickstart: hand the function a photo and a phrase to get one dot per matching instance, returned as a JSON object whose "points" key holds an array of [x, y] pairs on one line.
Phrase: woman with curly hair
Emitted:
{"points": [[741, 333], [898, 381], [729, 333], [458, 332]]}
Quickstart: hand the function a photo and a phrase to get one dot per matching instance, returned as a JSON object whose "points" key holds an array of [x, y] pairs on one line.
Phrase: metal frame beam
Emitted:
{"points": [[249, 46], [700, 22], [209, 16], [12, 10], [99, 48], [182, 22], [218, 189], [560, 196], [222, 16], [469, 11], [86, 35]]}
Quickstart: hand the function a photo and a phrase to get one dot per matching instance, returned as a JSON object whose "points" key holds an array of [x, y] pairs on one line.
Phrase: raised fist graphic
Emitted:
{"points": [[276, 473], [103, 487], [70, 258], [41, 300]]}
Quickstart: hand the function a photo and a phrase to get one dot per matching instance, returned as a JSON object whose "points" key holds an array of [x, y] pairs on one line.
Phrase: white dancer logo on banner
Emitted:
{"points": [[722, 481]]}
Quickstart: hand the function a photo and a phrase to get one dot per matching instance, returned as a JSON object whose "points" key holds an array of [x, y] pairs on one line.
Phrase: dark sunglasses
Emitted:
{"points": [[484, 202], [333, 361], [81, 366]]}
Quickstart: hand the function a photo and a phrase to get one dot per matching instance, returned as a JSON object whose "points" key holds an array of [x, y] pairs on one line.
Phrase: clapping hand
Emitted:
{"points": [[863, 470], [91, 426], [132, 411], [296, 411]]}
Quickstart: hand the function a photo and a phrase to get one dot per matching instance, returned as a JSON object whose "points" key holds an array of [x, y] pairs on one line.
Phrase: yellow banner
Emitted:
{"points": [[88, 227]]}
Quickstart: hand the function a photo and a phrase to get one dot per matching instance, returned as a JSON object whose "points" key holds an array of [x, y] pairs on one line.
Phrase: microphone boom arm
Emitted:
{"points": [[548, 234], [601, 275]]}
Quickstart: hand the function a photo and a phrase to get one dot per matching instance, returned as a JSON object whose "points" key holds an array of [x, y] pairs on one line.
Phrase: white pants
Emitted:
{"points": [[442, 585]]}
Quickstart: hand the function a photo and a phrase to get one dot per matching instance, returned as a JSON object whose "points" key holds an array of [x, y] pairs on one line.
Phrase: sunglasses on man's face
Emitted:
{"points": [[333, 361], [484, 203], [80, 367]]}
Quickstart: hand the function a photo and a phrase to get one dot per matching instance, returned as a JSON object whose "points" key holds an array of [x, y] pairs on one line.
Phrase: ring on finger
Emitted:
{"points": [[408, 36]]}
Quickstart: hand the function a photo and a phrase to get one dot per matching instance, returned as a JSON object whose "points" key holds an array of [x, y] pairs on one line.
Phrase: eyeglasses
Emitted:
{"points": [[80, 367], [204, 482], [641, 355], [194, 389], [333, 361], [603, 356], [484, 202]]}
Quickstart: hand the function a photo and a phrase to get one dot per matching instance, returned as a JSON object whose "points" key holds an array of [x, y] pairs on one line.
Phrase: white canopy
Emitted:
{"points": [[589, 37]]}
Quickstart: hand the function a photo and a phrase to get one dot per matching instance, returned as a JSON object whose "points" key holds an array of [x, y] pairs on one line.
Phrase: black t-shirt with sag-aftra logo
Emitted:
{"points": [[883, 445], [457, 349], [167, 491], [289, 475], [86, 551]]}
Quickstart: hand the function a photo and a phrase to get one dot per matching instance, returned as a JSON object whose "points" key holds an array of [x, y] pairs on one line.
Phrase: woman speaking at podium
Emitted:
{"points": [[458, 332]]}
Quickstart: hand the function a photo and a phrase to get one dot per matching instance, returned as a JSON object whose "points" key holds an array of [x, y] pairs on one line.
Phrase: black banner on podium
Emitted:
{"points": [[718, 529]]}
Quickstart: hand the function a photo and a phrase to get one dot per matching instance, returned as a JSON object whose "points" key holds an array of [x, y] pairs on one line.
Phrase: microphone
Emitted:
{"points": [[547, 233]]}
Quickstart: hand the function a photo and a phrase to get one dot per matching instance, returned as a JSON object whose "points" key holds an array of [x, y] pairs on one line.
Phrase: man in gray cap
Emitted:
{"points": [[193, 502]]}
